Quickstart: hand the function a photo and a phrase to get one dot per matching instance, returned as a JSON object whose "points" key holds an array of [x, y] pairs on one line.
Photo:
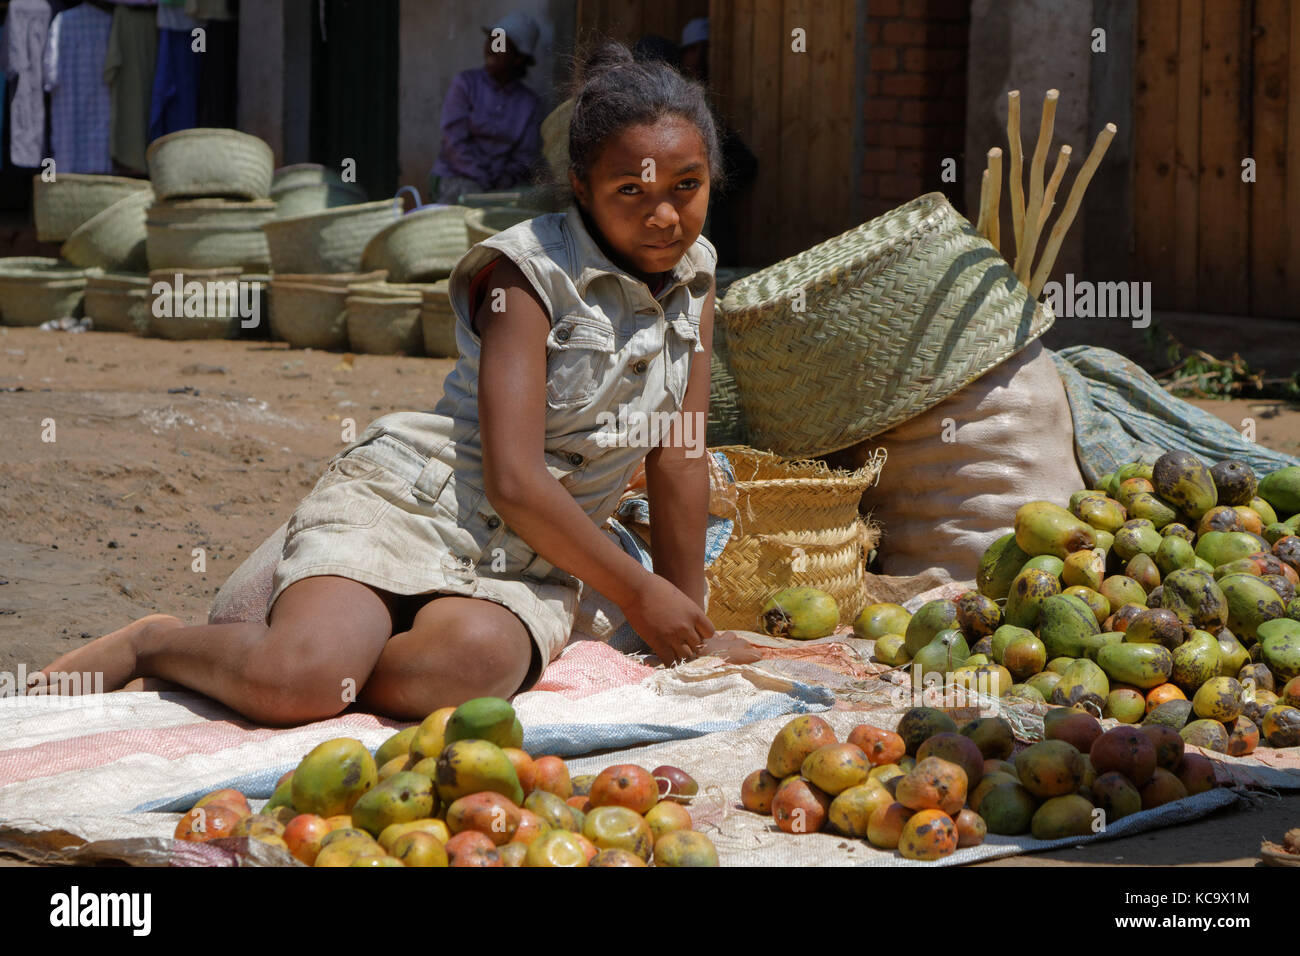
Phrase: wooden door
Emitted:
{"points": [[1217, 103]]}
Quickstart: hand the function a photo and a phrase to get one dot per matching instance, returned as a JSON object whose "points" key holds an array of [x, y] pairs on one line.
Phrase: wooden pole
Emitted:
{"points": [[1015, 173], [1071, 209], [995, 197], [1025, 256], [1049, 196]]}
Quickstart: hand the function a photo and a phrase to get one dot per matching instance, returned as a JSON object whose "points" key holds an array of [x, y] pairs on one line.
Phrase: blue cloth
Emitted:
{"points": [[80, 102], [637, 510], [1122, 414], [175, 104]]}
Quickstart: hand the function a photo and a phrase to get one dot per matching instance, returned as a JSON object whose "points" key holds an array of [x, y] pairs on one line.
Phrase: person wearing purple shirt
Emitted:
{"points": [[491, 121]]}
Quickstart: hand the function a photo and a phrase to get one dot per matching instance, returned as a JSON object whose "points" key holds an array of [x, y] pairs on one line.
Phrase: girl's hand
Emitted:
{"points": [[671, 623]]}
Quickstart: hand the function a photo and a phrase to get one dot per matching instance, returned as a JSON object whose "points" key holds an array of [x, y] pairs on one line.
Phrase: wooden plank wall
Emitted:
{"points": [[795, 111], [1216, 83]]}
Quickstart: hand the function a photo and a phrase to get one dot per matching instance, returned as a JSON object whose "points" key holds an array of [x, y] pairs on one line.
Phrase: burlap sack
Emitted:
{"points": [[957, 473]]}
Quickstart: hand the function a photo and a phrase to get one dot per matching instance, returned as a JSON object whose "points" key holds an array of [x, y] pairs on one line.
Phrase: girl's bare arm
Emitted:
{"points": [[512, 415], [677, 480]]}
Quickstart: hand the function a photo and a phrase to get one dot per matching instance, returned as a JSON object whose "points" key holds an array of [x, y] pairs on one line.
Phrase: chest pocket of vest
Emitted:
{"points": [[578, 356], [683, 342]]}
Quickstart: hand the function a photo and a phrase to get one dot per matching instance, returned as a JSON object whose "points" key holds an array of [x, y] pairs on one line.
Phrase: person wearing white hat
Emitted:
{"points": [[491, 121], [695, 49]]}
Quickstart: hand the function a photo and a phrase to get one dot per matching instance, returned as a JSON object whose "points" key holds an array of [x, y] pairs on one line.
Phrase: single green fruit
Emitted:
{"points": [[800, 613], [1182, 480], [999, 566], [1042, 527]]}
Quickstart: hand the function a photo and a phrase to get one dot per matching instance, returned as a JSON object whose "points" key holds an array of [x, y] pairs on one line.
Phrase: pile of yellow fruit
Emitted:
{"points": [[459, 790]]}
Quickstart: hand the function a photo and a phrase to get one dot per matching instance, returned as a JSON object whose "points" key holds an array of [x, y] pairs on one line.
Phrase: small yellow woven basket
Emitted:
{"points": [[796, 525]]}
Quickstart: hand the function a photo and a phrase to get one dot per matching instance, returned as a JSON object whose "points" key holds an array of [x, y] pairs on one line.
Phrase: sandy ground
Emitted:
{"points": [[161, 448]]}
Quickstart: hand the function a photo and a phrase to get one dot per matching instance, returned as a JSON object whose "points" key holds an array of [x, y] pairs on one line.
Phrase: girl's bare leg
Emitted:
{"points": [[457, 648], [322, 640]]}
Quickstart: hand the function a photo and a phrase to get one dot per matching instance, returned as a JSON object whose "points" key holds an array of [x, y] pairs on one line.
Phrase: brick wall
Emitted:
{"points": [[915, 107]]}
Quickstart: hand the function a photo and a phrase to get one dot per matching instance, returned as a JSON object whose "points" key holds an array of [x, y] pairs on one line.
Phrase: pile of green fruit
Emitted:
{"points": [[929, 788], [1165, 595], [458, 790]]}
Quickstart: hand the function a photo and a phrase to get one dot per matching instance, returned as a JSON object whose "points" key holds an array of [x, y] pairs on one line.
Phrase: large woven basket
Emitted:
{"points": [[310, 198], [726, 424], [113, 239], [384, 319], [209, 234], [309, 311], [489, 220], [204, 162], [330, 241], [438, 322], [872, 327], [796, 525], [72, 198], [119, 302], [421, 246], [217, 320], [300, 174], [36, 289]]}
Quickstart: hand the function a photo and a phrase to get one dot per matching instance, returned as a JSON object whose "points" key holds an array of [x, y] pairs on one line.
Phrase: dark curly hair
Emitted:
{"points": [[614, 90]]}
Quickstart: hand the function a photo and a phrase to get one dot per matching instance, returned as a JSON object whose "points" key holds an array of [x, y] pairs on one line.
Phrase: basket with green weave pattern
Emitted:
{"points": [[872, 327], [210, 162], [489, 220], [330, 241], [421, 246], [65, 202]]}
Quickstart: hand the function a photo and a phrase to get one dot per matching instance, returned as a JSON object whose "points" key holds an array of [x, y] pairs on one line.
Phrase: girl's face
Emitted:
{"points": [[648, 192]]}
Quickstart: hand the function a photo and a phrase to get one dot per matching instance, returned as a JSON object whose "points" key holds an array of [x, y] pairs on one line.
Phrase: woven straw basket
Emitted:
{"points": [[35, 289], [726, 425], [119, 302], [209, 234], [796, 525], [384, 319], [207, 326], [301, 174], [63, 205], [309, 311], [198, 163], [897, 314], [422, 246], [438, 322], [113, 239], [330, 241], [488, 221], [310, 198]]}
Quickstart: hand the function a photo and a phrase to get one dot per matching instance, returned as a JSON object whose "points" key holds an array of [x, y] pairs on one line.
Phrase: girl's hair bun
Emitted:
{"points": [[601, 58]]}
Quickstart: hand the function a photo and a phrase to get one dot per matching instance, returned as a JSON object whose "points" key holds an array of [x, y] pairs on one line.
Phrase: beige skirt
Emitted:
{"points": [[368, 519]]}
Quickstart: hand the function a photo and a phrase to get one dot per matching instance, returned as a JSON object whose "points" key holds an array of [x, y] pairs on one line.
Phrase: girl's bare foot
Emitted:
{"points": [[114, 655]]}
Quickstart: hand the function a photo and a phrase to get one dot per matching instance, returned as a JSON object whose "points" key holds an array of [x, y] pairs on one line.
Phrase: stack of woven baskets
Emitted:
{"points": [[212, 188], [356, 276], [100, 221]]}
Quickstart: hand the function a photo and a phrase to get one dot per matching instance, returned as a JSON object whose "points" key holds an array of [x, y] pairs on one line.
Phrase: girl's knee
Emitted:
{"points": [[288, 683]]}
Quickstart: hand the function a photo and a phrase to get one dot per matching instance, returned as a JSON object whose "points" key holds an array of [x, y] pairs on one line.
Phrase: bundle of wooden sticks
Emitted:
{"points": [[1029, 221]]}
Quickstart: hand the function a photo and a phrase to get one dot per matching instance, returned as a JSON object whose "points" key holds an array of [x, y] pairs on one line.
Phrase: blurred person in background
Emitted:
{"points": [[738, 159], [491, 121]]}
